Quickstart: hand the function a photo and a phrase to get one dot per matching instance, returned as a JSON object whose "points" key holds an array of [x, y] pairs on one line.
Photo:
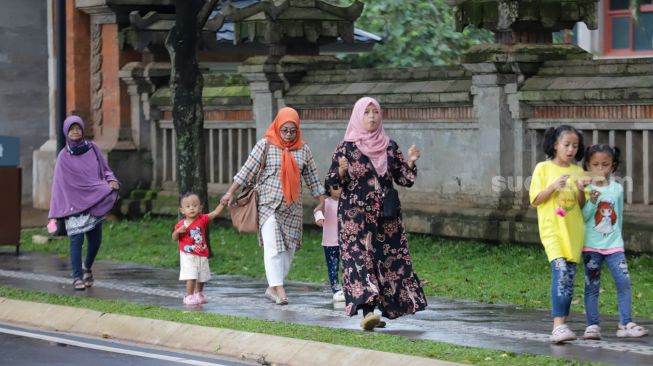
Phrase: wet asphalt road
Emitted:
{"points": [[501, 327], [27, 347]]}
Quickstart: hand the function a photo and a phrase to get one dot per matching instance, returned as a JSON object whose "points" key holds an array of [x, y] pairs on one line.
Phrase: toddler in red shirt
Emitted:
{"points": [[190, 232]]}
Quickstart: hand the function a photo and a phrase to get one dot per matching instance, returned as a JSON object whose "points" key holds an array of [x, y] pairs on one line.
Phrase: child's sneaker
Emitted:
{"points": [[631, 330], [190, 300], [339, 296], [562, 333], [592, 332], [201, 299]]}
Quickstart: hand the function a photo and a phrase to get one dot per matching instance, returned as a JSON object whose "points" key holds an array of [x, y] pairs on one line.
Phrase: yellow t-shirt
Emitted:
{"points": [[562, 237]]}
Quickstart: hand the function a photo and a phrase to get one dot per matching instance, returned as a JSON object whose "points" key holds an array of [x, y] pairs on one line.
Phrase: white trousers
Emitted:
{"points": [[277, 264]]}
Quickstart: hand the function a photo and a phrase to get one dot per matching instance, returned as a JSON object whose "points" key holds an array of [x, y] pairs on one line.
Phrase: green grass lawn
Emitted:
{"points": [[367, 340], [491, 273]]}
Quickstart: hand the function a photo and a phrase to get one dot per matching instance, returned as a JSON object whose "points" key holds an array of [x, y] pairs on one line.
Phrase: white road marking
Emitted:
{"points": [[106, 348]]}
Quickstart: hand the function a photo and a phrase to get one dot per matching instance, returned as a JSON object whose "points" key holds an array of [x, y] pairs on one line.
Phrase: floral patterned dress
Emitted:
{"points": [[377, 269]]}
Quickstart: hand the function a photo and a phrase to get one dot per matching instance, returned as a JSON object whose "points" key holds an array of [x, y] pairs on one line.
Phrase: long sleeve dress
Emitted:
{"points": [[270, 194], [377, 268]]}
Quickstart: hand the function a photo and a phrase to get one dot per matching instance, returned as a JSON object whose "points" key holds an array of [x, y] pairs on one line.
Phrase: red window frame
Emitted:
{"points": [[607, 34]]}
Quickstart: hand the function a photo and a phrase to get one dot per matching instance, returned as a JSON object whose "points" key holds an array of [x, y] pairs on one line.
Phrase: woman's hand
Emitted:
{"points": [[343, 166], [114, 185], [413, 156], [226, 199]]}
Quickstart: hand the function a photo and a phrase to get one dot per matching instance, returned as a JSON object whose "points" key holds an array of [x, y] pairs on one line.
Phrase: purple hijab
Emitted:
{"points": [[80, 182]]}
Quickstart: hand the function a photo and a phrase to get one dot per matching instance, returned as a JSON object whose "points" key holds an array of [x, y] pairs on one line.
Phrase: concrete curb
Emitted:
{"points": [[230, 343]]}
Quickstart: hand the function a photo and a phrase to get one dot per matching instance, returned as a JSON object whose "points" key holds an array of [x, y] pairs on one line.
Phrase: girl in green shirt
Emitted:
{"points": [[603, 215]]}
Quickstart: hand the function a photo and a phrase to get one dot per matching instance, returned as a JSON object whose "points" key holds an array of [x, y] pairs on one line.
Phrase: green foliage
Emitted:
{"points": [[416, 34], [500, 274], [366, 340]]}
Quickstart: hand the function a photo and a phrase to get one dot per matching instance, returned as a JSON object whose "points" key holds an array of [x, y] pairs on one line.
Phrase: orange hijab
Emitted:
{"points": [[290, 183]]}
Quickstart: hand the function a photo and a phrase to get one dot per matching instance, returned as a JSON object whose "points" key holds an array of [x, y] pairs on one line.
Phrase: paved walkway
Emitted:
{"points": [[459, 322]]}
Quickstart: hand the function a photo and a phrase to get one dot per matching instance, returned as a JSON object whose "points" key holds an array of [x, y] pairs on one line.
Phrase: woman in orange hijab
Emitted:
{"points": [[280, 214]]}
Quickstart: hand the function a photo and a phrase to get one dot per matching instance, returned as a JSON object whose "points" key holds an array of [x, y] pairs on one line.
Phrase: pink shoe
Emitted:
{"points": [[201, 299], [190, 300]]}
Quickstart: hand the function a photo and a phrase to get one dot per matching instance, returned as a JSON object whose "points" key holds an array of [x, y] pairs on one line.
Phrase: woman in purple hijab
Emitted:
{"points": [[84, 189]]}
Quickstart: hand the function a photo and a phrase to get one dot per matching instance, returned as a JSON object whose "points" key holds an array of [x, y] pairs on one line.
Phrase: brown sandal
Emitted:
{"points": [[88, 278]]}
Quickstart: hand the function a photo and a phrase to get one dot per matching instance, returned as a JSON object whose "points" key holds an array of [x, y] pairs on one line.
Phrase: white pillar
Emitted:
{"points": [[44, 158]]}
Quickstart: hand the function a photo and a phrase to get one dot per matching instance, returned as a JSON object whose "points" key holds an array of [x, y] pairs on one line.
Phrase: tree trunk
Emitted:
{"points": [[186, 84]]}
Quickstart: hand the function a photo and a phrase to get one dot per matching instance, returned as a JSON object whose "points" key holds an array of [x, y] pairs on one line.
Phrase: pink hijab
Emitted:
{"points": [[372, 144]]}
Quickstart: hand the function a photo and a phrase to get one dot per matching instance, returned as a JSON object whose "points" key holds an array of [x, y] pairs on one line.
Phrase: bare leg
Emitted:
{"points": [[558, 321], [280, 291], [190, 286]]}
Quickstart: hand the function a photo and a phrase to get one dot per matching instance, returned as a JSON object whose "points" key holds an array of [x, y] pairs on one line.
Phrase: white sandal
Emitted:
{"points": [[592, 332], [631, 330], [562, 333]]}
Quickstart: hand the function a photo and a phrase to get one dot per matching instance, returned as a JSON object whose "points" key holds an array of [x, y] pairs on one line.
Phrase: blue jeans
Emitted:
{"points": [[332, 256], [94, 238], [617, 265], [563, 274]]}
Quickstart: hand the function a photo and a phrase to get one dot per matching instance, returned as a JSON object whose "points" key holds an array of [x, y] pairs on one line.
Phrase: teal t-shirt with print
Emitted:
{"points": [[603, 219]]}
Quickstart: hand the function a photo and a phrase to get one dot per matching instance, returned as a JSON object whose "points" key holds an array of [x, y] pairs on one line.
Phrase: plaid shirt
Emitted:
{"points": [[270, 194]]}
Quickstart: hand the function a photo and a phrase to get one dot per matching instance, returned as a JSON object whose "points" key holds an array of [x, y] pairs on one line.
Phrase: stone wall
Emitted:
{"points": [[24, 74], [474, 123], [425, 107]]}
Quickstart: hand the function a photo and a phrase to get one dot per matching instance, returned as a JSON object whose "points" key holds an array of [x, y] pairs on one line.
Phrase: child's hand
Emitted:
{"points": [[319, 223], [594, 195], [182, 229], [583, 182], [226, 199], [114, 185], [560, 182]]}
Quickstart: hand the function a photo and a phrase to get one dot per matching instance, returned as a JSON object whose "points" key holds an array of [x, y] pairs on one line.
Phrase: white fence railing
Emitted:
{"points": [[227, 146]]}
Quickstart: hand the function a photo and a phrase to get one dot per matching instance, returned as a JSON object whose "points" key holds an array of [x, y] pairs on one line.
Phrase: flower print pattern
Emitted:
{"points": [[377, 269]]}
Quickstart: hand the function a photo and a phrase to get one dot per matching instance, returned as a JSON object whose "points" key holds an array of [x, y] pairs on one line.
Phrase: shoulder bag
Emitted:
{"points": [[244, 211]]}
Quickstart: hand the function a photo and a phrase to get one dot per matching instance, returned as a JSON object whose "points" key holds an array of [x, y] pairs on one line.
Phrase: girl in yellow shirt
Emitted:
{"points": [[557, 190]]}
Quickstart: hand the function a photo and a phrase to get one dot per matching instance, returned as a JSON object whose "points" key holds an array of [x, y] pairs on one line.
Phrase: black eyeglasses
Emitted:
{"points": [[288, 131]]}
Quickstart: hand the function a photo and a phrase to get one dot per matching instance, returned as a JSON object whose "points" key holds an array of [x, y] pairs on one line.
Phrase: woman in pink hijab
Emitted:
{"points": [[377, 269]]}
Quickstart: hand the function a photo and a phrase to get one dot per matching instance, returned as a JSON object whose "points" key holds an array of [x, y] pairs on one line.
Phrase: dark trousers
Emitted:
{"points": [[94, 238], [332, 256]]}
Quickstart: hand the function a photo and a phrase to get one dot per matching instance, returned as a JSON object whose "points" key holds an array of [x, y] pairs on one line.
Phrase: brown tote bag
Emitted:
{"points": [[244, 211]]}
